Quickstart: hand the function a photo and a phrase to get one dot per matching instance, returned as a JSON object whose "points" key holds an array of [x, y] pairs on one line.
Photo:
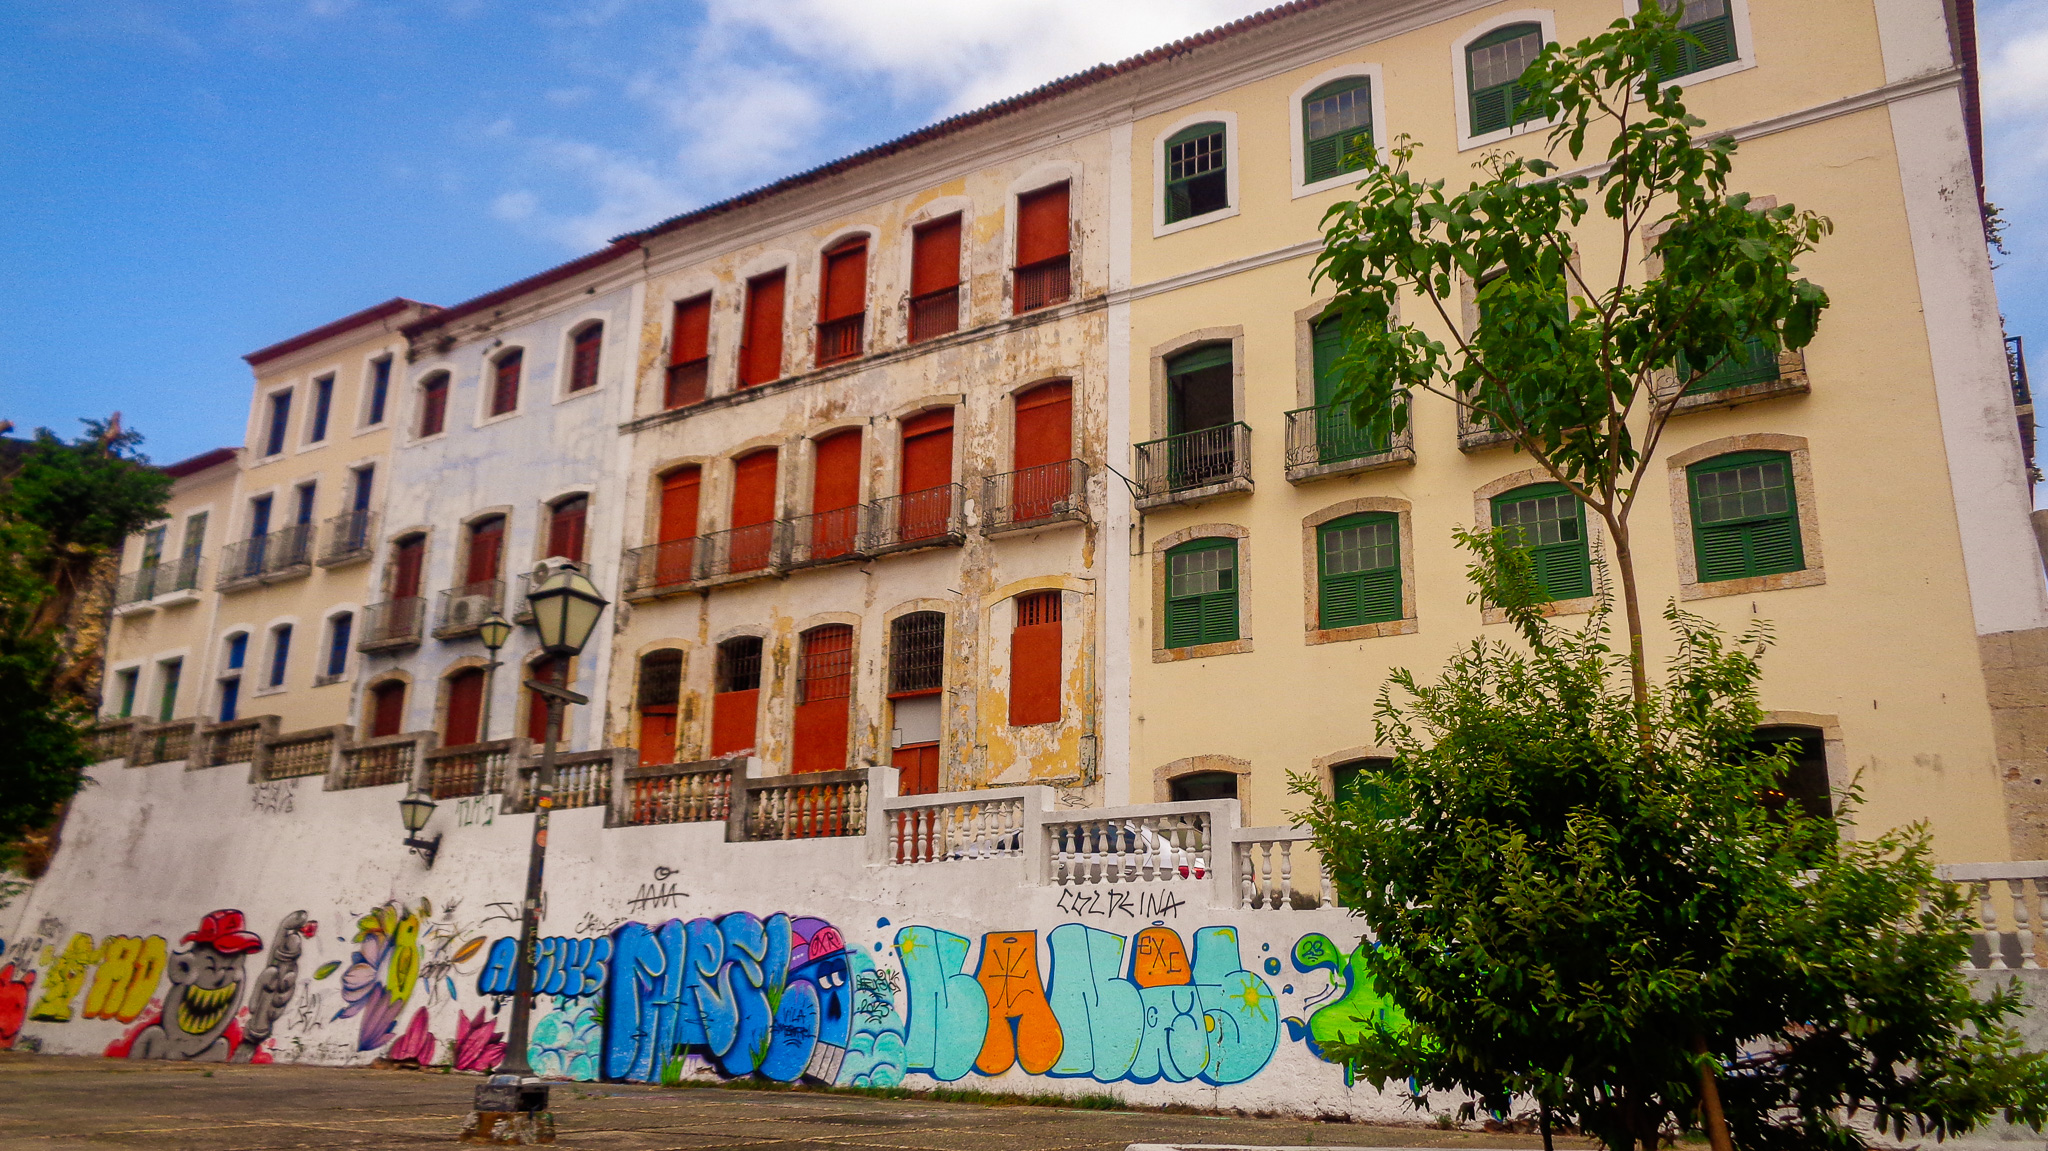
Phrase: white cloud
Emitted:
{"points": [[2015, 88]]}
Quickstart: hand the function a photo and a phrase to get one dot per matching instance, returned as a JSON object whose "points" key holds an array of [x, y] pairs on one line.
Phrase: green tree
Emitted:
{"points": [[65, 509], [1561, 913], [1566, 358]]}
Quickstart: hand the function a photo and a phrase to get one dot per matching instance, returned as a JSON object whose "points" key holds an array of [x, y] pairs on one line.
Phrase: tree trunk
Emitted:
{"points": [[1543, 1122], [1638, 669], [1713, 1120]]}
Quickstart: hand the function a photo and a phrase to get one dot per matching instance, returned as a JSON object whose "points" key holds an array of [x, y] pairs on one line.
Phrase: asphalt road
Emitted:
{"points": [[58, 1103]]}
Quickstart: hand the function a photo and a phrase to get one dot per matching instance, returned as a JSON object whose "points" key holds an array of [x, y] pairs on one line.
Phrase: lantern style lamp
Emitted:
{"points": [[415, 810], [566, 607], [494, 631]]}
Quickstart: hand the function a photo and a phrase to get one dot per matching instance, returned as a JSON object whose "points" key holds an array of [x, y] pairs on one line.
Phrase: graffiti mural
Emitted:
{"points": [[206, 980], [13, 1003], [64, 976], [378, 979], [1353, 1006], [274, 987]]}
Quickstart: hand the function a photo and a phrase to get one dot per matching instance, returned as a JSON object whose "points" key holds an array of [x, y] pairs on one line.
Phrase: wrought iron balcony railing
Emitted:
{"points": [[1194, 460], [283, 554], [394, 623], [1322, 436], [350, 537], [1044, 283], [930, 518], [935, 314], [465, 607], [840, 339], [660, 568], [159, 579], [753, 550], [1046, 494], [826, 537]]}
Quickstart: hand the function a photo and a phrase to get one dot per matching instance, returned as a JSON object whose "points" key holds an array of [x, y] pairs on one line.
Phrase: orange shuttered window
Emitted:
{"points": [[1042, 444], [465, 707], [387, 709], [675, 561], [661, 684], [486, 545], [434, 406], [824, 685], [835, 495], [406, 567], [935, 279], [1043, 249], [753, 511], [689, 354], [566, 526], [844, 302], [761, 343], [737, 699], [583, 358], [928, 469], [505, 385], [1035, 660]]}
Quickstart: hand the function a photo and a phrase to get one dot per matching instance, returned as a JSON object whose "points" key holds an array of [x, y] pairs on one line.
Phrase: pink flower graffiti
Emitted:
{"points": [[479, 1045]]}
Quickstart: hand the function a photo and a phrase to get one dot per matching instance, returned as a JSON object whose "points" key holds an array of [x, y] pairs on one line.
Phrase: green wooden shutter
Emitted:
{"points": [[1358, 564], [1194, 153], [1493, 69], [1326, 343], [1712, 44], [1201, 593], [1336, 126], [1745, 516], [1553, 526]]}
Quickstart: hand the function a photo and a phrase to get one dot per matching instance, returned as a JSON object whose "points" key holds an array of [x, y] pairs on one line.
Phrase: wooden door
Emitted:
{"points": [[465, 707], [1043, 442], [927, 474]]}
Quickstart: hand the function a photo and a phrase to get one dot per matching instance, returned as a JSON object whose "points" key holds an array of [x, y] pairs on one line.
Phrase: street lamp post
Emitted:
{"points": [[566, 607], [494, 631]]}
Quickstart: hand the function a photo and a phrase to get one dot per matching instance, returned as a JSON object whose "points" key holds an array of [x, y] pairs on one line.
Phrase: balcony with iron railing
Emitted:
{"points": [[1035, 497], [1044, 283], [840, 340], [826, 537], [1194, 466], [464, 608], [350, 538], [740, 553], [935, 314], [395, 623], [1323, 441], [2022, 397], [158, 581], [286, 553], [659, 569], [934, 517], [686, 384]]}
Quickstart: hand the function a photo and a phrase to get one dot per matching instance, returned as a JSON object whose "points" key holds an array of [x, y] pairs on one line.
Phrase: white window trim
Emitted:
{"points": [[1745, 52], [366, 385], [332, 374], [1159, 225], [263, 418], [565, 359], [1461, 79], [486, 388], [269, 656], [1295, 129], [350, 657], [415, 408]]}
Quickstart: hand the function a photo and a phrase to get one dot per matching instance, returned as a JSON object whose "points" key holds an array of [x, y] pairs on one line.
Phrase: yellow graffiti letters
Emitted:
{"points": [[64, 977], [127, 975]]}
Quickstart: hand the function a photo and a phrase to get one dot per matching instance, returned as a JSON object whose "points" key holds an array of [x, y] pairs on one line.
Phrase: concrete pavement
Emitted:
{"points": [[56, 1103]]}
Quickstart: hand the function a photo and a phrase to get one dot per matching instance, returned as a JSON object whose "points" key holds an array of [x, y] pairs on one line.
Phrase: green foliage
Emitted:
{"points": [[64, 511], [1563, 912]]}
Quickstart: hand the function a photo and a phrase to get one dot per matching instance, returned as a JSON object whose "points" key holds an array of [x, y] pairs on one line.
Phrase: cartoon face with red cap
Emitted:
{"points": [[206, 986]]}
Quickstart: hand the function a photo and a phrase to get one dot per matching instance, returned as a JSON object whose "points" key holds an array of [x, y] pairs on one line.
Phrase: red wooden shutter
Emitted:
{"points": [[761, 348], [583, 364], [505, 390], [387, 709], [679, 491], [1035, 660], [732, 720], [566, 526], [835, 495], [753, 489], [692, 337], [935, 257], [465, 707], [658, 735], [918, 769], [824, 687], [406, 568], [434, 406], [486, 547], [1045, 426], [546, 671], [927, 451], [846, 281], [1042, 225], [660, 692]]}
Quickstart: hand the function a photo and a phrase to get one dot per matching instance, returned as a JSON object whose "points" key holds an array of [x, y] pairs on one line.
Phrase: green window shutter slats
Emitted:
{"points": [[1493, 70], [1553, 527], [1361, 598], [1756, 364], [1201, 593], [1564, 570], [1207, 356], [1336, 126], [1359, 570], [1496, 108], [1745, 517], [1184, 622], [1219, 617], [1715, 34]]}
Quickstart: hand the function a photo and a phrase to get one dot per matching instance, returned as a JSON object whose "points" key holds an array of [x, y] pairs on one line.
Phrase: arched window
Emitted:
{"points": [[1336, 128], [1201, 406], [1711, 26], [674, 559], [387, 708], [1044, 272], [465, 708], [1201, 592], [434, 404], [761, 338], [1337, 438], [661, 689], [750, 546], [1203, 785], [1197, 179], [566, 523], [1035, 637], [917, 673], [505, 373], [835, 498], [280, 654], [1551, 522], [736, 695], [926, 505], [1045, 480], [843, 304], [486, 550], [1346, 780], [935, 278], [1494, 64], [689, 354], [824, 688], [583, 355], [1745, 516], [1358, 570]]}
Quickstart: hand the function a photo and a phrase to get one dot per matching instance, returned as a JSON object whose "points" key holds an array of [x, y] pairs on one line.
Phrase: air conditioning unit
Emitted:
{"points": [[469, 610], [553, 564]]}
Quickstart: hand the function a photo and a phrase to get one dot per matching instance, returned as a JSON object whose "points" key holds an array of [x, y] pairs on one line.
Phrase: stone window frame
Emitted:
{"points": [[1812, 575], [1164, 775], [1792, 378], [1400, 452], [1596, 542], [1161, 409], [443, 686], [1311, 576], [1243, 643], [1325, 765]]}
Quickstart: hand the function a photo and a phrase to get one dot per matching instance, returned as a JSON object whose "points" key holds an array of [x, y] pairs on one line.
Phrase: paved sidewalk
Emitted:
{"points": [[56, 1103]]}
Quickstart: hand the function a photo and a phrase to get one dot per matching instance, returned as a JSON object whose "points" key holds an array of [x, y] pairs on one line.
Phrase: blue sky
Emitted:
{"points": [[181, 183]]}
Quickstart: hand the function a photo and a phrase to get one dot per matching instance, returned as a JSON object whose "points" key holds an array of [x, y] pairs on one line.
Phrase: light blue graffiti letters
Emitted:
{"points": [[561, 966], [948, 1011]]}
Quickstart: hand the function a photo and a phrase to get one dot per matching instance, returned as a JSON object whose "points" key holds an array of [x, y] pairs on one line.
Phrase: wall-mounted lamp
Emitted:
{"points": [[415, 810]]}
